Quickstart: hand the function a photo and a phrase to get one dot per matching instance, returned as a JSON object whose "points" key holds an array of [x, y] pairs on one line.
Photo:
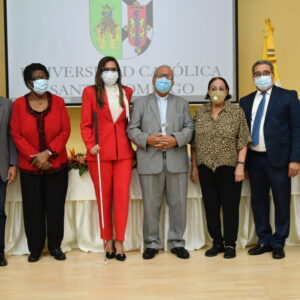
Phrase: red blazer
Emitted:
{"points": [[113, 141], [34, 132]]}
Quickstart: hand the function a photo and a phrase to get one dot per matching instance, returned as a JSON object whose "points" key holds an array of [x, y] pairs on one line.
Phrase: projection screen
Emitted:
{"points": [[197, 38]]}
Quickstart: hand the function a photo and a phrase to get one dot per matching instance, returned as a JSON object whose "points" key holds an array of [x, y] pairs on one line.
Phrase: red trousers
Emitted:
{"points": [[115, 181]]}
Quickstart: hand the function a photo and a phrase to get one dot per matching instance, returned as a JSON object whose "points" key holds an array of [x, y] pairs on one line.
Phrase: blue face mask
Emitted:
{"points": [[263, 82], [163, 85], [40, 86]]}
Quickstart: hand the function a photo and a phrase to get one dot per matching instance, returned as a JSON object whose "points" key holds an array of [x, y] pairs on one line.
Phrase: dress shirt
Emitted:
{"points": [[162, 103], [261, 147]]}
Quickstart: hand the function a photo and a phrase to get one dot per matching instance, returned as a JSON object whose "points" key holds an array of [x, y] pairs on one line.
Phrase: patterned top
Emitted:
{"points": [[217, 142]]}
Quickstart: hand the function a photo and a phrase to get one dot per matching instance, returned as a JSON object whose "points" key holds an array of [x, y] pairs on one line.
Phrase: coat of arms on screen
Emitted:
{"points": [[121, 28]]}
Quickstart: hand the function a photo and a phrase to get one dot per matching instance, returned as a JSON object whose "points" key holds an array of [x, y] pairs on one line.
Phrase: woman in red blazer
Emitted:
{"points": [[40, 128], [104, 117]]}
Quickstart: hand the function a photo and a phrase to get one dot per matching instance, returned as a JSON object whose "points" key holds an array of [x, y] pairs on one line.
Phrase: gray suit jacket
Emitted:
{"points": [[8, 152], [145, 120]]}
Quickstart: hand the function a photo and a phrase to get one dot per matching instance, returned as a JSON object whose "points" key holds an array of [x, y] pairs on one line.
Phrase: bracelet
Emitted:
{"points": [[49, 152], [241, 162]]}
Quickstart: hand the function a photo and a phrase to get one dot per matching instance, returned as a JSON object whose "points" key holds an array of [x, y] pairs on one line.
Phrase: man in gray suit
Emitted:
{"points": [[8, 169], [161, 127]]}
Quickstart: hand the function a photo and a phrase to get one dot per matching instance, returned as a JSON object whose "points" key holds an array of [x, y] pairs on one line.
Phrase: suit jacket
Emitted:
{"points": [[113, 141], [34, 132], [145, 120], [8, 153], [281, 127]]}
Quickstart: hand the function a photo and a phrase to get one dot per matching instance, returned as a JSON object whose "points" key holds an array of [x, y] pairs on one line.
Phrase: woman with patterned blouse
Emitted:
{"points": [[218, 158]]}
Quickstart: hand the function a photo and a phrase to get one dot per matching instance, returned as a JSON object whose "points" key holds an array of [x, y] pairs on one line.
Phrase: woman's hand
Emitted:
{"points": [[46, 166], [194, 175], [95, 150], [40, 159], [239, 173]]}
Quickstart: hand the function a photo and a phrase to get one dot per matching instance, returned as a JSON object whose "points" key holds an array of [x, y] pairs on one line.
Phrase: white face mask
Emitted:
{"points": [[40, 86], [110, 77]]}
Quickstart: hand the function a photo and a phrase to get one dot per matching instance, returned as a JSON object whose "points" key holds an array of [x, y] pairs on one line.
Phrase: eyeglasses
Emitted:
{"points": [[161, 75], [263, 73], [109, 69]]}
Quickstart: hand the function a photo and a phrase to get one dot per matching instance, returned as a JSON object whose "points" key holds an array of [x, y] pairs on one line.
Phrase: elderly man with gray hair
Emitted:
{"points": [[161, 127], [8, 169]]}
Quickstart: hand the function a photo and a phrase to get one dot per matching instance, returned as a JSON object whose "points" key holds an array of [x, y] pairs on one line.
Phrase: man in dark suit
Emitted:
{"points": [[8, 169], [273, 116]]}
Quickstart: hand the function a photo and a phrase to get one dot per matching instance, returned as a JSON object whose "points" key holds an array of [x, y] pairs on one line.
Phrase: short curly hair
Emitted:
{"points": [[27, 73]]}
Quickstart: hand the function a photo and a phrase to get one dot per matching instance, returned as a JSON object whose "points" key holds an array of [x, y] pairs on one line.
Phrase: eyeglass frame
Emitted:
{"points": [[263, 73]]}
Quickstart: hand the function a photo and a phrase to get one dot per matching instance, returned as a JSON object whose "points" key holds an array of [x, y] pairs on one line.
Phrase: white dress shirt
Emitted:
{"points": [[261, 147], [116, 109], [162, 103]]}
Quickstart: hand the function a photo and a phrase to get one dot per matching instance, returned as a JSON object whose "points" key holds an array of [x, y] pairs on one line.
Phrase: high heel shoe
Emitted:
{"points": [[111, 255], [119, 248], [120, 257]]}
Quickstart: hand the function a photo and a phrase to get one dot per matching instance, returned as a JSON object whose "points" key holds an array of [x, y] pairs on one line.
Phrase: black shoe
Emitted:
{"points": [[180, 252], [260, 249], [3, 261], [110, 255], [34, 256], [215, 250], [149, 253], [120, 257], [58, 254], [229, 252], [278, 253]]}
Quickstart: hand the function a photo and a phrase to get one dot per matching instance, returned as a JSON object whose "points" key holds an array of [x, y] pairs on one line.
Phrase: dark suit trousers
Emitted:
{"points": [[2, 214], [264, 176], [44, 199], [219, 189]]}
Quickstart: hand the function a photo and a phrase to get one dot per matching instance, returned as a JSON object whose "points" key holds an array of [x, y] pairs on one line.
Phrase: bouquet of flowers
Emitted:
{"points": [[77, 161]]}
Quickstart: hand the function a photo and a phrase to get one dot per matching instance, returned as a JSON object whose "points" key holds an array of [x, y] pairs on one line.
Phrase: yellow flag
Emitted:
{"points": [[269, 49]]}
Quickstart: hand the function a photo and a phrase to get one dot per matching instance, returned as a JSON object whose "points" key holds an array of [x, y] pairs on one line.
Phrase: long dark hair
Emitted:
{"points": [[99, 83], [226, 85]]}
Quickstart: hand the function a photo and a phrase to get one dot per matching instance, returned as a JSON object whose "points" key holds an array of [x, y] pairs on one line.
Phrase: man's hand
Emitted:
{"points": [[40, 159], [294, 168], [12, 174], [169, 141], [154, 139]]}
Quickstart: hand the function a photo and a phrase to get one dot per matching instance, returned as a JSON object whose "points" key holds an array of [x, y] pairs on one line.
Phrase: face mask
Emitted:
{"points": [[163, 85], [217, 97], [263, 82], [110, 77], [40, 86]]}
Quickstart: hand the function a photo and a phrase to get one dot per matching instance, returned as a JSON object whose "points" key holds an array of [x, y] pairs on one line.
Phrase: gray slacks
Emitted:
{"points": [[154, 186]]}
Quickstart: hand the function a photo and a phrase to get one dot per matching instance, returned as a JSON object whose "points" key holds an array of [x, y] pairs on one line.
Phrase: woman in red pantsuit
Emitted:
{"points": [[104, 117]]}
